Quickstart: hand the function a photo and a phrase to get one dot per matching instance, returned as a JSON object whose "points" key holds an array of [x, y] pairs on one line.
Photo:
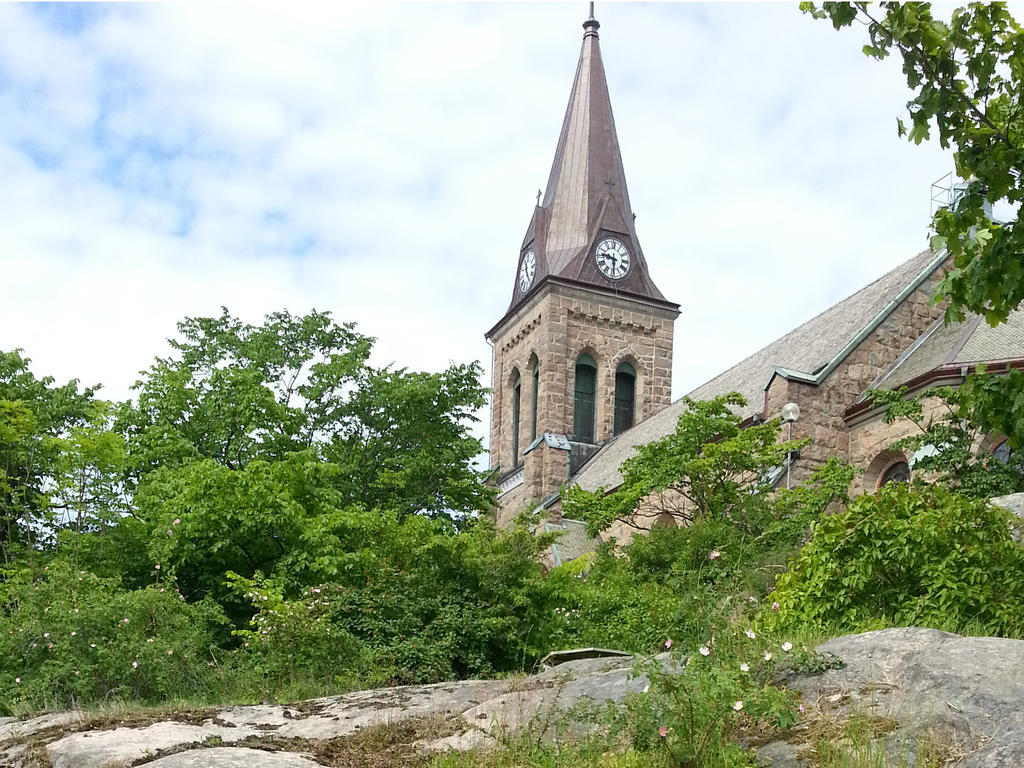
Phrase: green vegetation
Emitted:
{"points": [[271, 517], [965, 75], [716, 469], [908, 556], [274, 519]]}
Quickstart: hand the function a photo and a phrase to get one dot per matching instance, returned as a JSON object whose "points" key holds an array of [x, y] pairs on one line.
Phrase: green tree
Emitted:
{"points": [[233, 394], [949, 436], [412, 601], [719, 469], [966, 75], [36, 416]]}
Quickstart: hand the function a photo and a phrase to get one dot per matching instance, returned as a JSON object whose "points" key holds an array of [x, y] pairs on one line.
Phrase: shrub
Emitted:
{"points": [[674, 582], [422, 601], [695, 709], [291, 643], [908, 555], [69, 637]]}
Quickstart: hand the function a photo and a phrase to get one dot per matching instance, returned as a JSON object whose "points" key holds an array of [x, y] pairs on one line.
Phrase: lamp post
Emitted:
{"points": [[790, 413]]}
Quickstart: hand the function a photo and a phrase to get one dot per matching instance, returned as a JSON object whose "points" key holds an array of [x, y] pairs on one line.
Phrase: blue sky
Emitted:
{"points": [[380, 160]]}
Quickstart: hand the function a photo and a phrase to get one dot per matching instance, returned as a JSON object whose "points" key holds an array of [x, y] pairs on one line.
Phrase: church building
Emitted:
{"points": [[582, 356]]}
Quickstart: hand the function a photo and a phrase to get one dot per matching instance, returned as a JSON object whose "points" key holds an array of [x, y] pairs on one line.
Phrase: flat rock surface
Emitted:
{"points": [[963, 695], [126, 746], [1013, 502], [469, 714], [233, 757]]}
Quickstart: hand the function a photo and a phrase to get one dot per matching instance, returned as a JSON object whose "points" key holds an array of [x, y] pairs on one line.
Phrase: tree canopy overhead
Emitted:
{"points": [[967, 76]]}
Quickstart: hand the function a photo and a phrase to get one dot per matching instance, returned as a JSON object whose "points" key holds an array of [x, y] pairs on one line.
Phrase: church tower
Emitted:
{"points": [[584, 350]]}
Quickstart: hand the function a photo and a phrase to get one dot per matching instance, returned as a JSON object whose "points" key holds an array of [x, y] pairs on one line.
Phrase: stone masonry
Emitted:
{"points": [[552, 330], [822, 407]]}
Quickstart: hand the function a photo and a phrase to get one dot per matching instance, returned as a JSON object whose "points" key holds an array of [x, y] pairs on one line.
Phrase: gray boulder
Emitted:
{"points": [[957, 696], [1013, 502]]}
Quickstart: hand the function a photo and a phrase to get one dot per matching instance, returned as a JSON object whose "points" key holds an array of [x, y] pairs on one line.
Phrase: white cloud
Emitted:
{"points": [[381, 160]]}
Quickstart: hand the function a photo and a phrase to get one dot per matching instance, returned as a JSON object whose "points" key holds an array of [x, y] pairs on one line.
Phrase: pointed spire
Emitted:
{"points": [[591, 25], [585, 201], [586, 196]]}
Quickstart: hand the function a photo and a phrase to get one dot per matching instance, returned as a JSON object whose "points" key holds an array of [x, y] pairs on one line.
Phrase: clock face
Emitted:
{"points": [[527, 271], [612, 258]]}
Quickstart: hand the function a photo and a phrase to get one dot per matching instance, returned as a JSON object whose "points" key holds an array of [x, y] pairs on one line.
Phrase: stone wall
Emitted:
{"points": [[822, 408], [552, 330], [512, 503]]}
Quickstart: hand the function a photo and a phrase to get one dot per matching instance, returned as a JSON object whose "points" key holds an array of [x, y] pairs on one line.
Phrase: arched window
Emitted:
{"points": [[536, 394], [585, 400], [625, 397], [516, 392], [895, 473]]}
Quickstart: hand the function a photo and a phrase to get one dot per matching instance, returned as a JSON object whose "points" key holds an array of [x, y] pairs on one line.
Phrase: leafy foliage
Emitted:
{"points": [[234, 393], [69, 637], [424, 605], [950, 434], [997, 404], [700, 701], [715, 467], [36, 416], [686, 582], [274, 454], [909, 556]]}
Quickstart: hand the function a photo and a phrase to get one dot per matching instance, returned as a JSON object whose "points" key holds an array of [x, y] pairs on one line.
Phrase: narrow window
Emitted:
{"points": [[516, 390], [625, 397], [584, 411], [536, 394]]}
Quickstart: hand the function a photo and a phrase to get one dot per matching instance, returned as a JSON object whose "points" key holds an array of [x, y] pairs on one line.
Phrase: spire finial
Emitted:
{"points": [[591, 25]]}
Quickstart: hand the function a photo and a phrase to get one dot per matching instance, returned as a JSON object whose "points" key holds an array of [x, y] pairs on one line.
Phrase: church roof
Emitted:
{"points": [[807, 352], [586, 199], [966, 343]]}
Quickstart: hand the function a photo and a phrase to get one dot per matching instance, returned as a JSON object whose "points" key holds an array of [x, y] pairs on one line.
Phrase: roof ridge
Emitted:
{"points": [[853, 295], [811, 320]]}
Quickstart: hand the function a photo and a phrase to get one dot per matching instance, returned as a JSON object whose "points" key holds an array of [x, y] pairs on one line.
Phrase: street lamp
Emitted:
{"points": [[790, 413]]}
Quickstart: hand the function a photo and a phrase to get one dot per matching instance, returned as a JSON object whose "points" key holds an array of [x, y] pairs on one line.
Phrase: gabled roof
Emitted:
{"points": [[805, 352], [964, 344], [586, 198]]}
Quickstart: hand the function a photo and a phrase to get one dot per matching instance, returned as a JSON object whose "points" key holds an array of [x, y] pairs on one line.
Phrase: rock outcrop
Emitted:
{"points": [[460, 715], [1013, 502], [916, 696], [915, 691]]}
